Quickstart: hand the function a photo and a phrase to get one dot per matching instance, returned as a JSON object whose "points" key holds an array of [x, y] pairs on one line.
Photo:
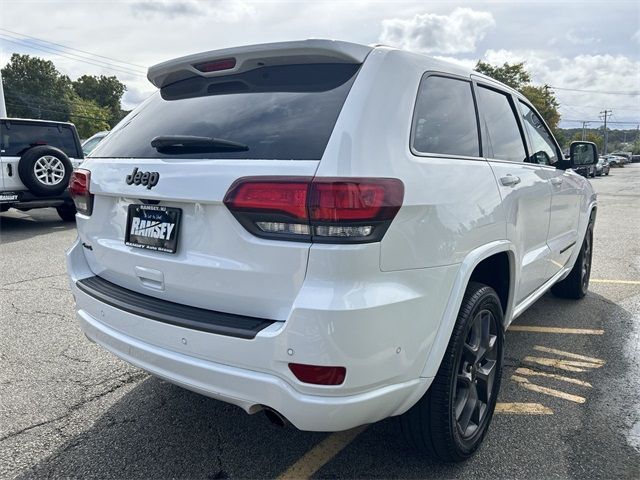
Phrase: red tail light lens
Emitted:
{"points": [[325, 210], [217, 65], [318, 375], [79, 190]]}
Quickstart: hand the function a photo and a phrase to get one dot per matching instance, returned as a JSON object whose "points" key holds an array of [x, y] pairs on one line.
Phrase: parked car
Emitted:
{"points": [[624, 156], [602, 167], [92, 142], [278, 229], [635, 158], [36, 160], [614, 161]]}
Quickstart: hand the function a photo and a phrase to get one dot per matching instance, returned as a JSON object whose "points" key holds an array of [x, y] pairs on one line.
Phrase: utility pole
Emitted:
{"points": [[3, 106], [605, 113], [584, 126]]}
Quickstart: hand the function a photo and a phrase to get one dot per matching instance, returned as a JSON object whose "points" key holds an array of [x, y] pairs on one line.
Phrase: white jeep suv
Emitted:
{"points": [[329, 232]]}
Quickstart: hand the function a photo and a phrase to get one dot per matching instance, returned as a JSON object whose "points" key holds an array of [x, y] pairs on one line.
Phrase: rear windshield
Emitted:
{"points": [[284, 112], [17, 138]]}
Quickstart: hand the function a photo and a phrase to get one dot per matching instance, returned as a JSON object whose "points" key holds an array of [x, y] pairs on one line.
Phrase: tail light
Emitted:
{"points": [[318, 375], [79, 190], [323, 210]]}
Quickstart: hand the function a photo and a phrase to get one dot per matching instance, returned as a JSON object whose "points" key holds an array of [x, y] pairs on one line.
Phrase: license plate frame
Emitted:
{"points": [[160, 230]]}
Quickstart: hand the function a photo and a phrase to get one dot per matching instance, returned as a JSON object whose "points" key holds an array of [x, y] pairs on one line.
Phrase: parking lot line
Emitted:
{"points": [[537, 329], [525, 383], [569, 365], [568, 354], [620, 282], [319, 455], [555, 376], [523, 408]]}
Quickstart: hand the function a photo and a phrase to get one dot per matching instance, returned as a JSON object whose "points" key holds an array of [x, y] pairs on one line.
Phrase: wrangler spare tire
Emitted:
{"points": [[45, 170]]}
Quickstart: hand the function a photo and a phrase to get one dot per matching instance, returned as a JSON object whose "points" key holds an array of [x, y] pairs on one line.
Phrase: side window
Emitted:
{"points": [[502, 139], [445, 118], [544, 148]]}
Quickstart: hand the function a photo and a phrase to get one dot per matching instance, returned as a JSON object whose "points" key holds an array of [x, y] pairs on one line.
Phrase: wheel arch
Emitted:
{"points": [[476, 266]]}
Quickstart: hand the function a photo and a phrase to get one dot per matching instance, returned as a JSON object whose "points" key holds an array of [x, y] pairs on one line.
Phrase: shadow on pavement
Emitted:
{"points": [[16, 225]]}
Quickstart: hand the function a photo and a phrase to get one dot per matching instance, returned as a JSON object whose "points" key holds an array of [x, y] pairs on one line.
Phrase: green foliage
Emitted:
{"points": [[515, 76], [590, 137], [104, 91], [34, 88], [89, 117]]}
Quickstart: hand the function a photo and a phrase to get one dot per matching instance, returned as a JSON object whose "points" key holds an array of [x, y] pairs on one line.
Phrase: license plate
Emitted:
{"points": [[153, 227], [9, 197]]}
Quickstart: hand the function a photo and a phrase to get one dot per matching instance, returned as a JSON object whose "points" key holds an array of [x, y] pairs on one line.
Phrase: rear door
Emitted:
{"points": [[565, 185], [269, 121], [525, 190]]}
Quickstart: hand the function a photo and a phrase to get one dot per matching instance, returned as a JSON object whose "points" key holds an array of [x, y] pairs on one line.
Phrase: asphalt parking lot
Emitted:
{"points": [[569, 403]]}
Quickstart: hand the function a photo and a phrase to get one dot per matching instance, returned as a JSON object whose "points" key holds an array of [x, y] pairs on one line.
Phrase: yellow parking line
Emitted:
{"points": [[555, 376], [322, 453], [568, 354], [547, 391], [569, 365], [536, 329], [523, 408], [619, 282]]}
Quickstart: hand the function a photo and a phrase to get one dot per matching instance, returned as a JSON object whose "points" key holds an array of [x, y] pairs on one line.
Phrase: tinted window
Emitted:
{"points": [[544, 148], [17, 138], [502, 139], [445, 118], [280, 112]]}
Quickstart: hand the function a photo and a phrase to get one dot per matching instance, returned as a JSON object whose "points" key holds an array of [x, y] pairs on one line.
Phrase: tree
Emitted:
{"points": [[89, 117], [34, 88], [590, 137], [515, 76], [104, 91]]}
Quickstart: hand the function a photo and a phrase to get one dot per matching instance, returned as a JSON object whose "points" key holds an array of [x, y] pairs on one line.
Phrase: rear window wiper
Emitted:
{"points": [[185, 144]]}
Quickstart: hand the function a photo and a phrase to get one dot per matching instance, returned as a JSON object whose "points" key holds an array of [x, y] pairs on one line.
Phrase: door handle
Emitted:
{"points": [[557, 181], [509, 180]]}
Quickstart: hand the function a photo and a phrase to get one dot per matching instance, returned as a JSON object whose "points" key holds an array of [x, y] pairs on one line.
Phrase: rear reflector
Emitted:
{"points": [[318, 375], [225, 64], [324, 210], [79, 190]]}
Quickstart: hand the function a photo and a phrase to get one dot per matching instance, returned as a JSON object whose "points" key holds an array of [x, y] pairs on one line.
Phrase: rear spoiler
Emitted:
{"points": [[240, 59]]}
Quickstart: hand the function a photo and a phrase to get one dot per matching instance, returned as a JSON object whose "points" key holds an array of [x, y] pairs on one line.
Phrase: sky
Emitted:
{"points": [[592, 46]]}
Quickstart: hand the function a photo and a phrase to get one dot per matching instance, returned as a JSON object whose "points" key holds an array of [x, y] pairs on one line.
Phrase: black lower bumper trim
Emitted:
{"points": [[173, 313]]}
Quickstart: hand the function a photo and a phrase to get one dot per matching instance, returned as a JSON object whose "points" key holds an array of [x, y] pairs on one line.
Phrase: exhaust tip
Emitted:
{"points": [[275, 417]]}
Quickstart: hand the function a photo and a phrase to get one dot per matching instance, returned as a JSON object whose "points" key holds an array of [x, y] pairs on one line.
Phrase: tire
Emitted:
{"points": [[438, 425], [45, 171], [576, 284], [67, 212]]}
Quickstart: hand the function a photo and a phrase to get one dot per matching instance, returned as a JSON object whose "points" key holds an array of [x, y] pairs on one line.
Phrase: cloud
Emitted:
{"points": [[636, 36], [457, 32], [593, 73], [580, 38], [165, 8]]}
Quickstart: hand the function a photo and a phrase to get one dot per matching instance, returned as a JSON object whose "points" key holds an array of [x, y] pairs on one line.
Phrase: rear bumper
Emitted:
{"points": [[382, 338], [26, 199], [249, 389]]}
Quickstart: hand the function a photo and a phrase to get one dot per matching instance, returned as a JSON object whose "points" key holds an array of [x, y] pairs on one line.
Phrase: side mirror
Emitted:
{"points": [[583, 154]]}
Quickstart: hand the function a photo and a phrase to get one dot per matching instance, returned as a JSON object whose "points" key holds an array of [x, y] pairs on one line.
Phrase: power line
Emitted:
{"points": [[76, 49], [81, 59], [70, 115], [630, 92], [633, 122]]}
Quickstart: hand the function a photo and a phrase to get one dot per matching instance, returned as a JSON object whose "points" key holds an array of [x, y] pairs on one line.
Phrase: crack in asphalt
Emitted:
{"points": [[129, 379], [32, 279]]}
